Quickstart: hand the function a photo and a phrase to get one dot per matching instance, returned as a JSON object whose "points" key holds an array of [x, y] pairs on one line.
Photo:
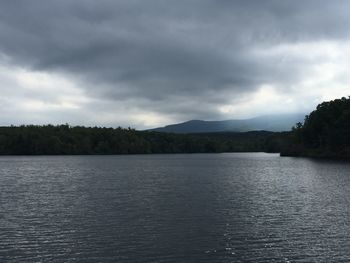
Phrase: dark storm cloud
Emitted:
{"points": [[173, 57]]}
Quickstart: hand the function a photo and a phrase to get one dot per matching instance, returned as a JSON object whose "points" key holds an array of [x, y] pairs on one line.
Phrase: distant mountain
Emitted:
{"points": [[276, 123]]}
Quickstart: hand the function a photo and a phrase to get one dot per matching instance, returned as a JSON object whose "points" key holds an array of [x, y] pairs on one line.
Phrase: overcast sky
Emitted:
{"points": [[149, 63]]}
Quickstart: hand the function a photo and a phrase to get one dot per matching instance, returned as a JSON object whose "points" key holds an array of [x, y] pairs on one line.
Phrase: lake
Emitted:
{"points": [[234, 207]]}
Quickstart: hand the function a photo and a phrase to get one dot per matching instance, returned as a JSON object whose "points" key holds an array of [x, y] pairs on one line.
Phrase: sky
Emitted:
{"points": [[150, 63]]}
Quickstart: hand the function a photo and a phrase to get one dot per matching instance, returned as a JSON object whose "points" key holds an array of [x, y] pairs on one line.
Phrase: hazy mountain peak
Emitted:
{"points": [[273, 122]]}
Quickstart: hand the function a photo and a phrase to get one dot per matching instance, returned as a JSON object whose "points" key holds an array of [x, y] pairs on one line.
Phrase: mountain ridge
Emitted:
{"points": [[272, 122]]}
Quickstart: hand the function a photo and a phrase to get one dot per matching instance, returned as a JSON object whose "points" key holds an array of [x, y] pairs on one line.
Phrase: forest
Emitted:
{"points": [[64, 139]]}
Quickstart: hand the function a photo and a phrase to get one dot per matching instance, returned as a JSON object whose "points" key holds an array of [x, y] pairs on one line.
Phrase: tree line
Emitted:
{"points": [[64, 139]]}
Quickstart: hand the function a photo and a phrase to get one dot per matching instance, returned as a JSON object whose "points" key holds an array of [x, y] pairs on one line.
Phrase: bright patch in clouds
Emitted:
{"points": [[32, 97], [266, 100]]}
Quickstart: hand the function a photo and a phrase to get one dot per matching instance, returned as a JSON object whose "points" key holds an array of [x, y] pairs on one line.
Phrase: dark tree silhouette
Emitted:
{"points": [[325, 132]]}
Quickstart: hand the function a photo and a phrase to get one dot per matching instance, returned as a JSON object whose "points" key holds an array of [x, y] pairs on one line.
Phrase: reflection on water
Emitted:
{"points": [[174, 208]]}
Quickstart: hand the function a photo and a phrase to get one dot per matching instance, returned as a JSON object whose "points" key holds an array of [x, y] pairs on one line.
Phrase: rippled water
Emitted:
{"points": [[174, 208]]}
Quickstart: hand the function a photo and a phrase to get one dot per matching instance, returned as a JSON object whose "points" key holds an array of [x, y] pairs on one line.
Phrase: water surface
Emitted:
{"points": [[250, 207]]}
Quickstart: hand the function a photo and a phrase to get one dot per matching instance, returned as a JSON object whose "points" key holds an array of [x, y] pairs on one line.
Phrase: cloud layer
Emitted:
{"points": [[147, 63]]}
